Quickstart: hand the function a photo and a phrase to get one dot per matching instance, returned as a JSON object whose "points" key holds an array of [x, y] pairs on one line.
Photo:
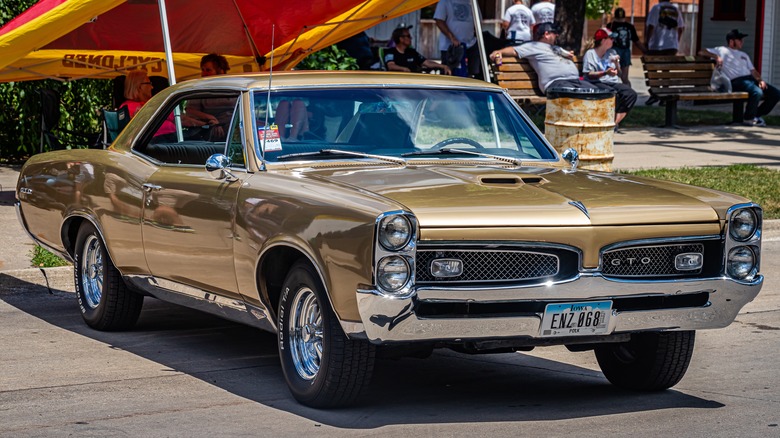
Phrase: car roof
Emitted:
{"points": [[310, 78]]}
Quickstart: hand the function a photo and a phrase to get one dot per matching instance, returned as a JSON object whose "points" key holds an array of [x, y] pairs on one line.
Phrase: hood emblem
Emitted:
{"points": [[580, 206]]}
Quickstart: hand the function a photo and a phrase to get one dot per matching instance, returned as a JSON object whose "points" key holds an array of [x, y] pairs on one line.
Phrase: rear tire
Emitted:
{"points": [[105, 301], [649, 361], [322, 367]]}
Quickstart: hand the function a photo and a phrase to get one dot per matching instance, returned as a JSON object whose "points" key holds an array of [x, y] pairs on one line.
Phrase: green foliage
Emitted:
{"points": [[331, 58], [596, 8], [20, 108], [759, 184], [42, 258]]}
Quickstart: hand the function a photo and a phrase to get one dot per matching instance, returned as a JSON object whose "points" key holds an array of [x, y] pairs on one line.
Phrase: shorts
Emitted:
{"points": [[625, 56]]}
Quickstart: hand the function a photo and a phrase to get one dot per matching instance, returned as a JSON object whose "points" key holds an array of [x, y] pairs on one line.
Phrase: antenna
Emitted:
{"points": [[268, 95]]}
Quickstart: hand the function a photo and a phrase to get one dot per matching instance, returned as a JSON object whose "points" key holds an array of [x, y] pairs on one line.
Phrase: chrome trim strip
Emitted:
{"points": [[198, 299]]}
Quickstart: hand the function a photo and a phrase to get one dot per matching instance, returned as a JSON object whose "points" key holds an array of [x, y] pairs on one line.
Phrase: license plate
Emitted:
{"points": [[576, 319]]}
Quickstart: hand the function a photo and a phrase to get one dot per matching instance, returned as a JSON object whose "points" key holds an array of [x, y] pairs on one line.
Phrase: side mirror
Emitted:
{"points": [[572, 157], [217, 166]]}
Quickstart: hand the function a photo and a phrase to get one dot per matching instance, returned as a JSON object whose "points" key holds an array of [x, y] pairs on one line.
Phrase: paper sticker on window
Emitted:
{"points": [[269, 138]]}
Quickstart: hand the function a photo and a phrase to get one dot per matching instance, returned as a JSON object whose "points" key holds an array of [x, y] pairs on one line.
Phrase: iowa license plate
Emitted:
{"points": [[576, 319]]}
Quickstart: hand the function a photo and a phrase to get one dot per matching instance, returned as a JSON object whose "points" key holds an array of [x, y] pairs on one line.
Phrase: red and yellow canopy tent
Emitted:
{"points": [[74, 39]]}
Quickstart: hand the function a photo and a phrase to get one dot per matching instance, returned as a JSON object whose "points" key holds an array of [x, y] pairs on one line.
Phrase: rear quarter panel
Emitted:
{"points": [[102, 186]]}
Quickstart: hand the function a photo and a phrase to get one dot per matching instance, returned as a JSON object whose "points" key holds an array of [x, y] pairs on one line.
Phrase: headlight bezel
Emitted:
{"points": [[407, 252], [734, 241]]}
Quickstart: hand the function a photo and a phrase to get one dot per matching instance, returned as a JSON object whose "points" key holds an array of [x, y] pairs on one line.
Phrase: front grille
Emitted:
{"points": [[497, 266], [649, 261]]}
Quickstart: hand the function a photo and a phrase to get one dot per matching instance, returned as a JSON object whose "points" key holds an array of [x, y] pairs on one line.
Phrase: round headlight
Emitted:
{"points": [[743, 224], [394, 232], [392, 273], [741, 262]]}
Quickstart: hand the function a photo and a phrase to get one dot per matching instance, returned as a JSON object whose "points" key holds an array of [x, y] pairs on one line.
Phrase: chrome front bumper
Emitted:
{"points": [[387, 320]]}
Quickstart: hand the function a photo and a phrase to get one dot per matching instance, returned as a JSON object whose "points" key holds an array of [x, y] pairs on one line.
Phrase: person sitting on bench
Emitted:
{"points": [[737, 67]]}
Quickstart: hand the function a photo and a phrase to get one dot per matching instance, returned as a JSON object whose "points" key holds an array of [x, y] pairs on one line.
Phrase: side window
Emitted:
{"points": [[205, 121], [235, 145]]}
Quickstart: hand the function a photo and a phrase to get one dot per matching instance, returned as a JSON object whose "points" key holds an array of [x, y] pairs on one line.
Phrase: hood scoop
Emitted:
{"points": [[510, 180]]}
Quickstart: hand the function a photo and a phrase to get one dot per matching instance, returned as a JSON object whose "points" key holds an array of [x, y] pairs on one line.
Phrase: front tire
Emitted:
{"points": [[105, 301], [649, 361], [322, 367]]}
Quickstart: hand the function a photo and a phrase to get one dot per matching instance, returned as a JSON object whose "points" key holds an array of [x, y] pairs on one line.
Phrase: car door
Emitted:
{"points": [[188, 216]]}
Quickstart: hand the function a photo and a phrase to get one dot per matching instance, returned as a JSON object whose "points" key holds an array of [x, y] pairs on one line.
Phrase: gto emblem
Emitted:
{"points": [[631, 261]]}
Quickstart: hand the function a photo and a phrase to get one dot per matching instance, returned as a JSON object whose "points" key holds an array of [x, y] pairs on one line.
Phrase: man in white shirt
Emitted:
{"points": [[544, 11], [518, 20], [455, 20], [664, 28], [737, 67]]}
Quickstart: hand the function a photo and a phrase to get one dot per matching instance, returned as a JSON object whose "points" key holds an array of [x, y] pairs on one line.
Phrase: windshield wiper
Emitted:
{"points": [[453, 151], [337, 153]]}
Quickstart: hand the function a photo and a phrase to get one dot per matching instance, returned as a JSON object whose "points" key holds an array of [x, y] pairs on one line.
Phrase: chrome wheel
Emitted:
{"points": [[92, 271], [305, 329]]}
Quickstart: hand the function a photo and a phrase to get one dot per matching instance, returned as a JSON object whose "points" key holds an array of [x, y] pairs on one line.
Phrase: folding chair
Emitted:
{"points": [[113, 123]]}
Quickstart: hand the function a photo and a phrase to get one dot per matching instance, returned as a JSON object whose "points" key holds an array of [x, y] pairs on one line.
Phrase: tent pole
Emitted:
{"points": [[480, 40], [169, 62]]}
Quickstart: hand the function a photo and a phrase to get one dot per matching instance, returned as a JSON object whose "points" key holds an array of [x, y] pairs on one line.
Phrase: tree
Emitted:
{"points": [[20, 109], [571, 14]]}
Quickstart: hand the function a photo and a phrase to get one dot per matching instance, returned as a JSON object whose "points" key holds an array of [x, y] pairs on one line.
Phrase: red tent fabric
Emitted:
{"points": [[238, 28]]}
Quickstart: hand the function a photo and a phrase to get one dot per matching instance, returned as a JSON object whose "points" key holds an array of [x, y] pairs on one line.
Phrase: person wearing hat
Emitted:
{"points": [[554, 66], [602, 64], [626, 35], [404, 58], [737, 67]]}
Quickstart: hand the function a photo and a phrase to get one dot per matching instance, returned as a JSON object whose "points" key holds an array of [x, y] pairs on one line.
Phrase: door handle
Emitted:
{"points": [[151, 187]]}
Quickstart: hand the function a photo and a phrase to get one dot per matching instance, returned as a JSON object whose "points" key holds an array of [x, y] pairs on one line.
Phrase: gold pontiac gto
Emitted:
{"points": [[356, 213]]}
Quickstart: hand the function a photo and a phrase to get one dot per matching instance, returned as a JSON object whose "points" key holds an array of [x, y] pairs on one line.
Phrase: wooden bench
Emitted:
{"points": [[521, 81], [676, 78]]}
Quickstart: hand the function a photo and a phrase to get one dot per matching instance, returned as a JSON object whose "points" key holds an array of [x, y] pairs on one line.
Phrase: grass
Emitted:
{"points": [[42, 258], [761, 185]]}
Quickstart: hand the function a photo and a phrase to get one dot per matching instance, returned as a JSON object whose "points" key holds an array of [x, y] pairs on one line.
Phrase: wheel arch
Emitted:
{"points": [[272, 268]]}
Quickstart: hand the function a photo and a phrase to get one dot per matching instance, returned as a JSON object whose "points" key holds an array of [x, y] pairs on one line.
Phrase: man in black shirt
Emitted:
{"points": [[626, 34], [404, 58]]}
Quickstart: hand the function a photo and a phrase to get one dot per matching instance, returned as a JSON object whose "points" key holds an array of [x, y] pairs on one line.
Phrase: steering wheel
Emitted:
{"points": [[455, 140]]}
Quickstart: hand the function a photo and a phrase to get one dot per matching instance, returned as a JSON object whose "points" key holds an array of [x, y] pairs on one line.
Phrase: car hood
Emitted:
{"points": [[532, 196]]}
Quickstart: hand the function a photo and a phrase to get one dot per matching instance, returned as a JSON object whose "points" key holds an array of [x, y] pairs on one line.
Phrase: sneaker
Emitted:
{"points": [[757, 121], [651, 100]]}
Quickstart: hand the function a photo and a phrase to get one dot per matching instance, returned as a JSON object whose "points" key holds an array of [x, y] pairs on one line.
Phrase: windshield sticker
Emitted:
{"points": [[269, 138]]}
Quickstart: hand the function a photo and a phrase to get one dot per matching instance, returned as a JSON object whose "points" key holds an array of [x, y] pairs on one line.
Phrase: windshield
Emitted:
{"points": [[395, 122]]}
